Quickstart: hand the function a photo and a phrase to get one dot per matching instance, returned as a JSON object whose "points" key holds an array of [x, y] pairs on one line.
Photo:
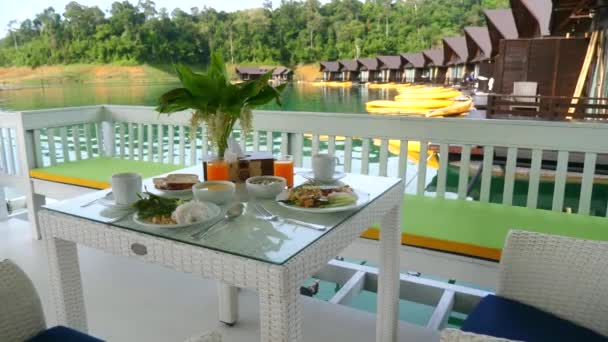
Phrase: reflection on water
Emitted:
{"points": [[298, 97]]}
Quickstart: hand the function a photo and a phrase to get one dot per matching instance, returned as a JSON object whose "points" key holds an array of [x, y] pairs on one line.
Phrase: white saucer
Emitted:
{"points": [[108, 201], [310, 175]]}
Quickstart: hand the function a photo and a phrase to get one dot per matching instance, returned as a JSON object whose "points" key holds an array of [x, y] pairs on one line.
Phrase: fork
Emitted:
{"points": [[266, 215]]}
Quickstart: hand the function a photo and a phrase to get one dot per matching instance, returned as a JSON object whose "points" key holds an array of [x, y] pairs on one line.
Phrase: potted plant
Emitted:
{"points": [[216, 102]]}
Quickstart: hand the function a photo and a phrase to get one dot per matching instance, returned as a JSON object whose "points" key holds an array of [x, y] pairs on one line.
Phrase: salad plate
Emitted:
{"points": [[217, 213], [169, 213], [322, 199]]}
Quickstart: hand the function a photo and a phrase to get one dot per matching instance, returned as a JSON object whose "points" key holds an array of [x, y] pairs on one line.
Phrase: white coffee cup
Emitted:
{"points": [[126, 187], [324, 166]]}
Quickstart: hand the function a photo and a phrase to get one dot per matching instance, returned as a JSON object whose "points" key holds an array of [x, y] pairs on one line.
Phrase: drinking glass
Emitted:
{"points": [[218, 170], [283, 167]]}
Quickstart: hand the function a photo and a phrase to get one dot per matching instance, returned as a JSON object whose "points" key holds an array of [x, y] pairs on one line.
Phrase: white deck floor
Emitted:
{"points": [[131, 301]]}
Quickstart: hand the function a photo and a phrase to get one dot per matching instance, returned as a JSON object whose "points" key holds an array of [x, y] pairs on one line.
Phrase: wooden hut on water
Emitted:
{"points": [[369, 70], [391, 68], [433, 62], [280, 73], [532, 17], [480, 53], [414, 67], [554, 63], [501, 25], [456, 57], [350, 69], [331, 71], [250, 73], [574, 17]]}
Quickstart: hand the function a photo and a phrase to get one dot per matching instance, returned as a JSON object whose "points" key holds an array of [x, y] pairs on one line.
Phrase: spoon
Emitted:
{"points": [[232, 213]]}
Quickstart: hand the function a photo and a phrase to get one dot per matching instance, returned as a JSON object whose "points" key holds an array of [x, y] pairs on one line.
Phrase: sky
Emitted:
{"points": [[27, 9]]}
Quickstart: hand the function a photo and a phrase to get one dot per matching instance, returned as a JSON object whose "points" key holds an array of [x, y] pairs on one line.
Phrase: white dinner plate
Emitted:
{"points": [[310, 175], [362, 198], [216, 212], [108, 201]]}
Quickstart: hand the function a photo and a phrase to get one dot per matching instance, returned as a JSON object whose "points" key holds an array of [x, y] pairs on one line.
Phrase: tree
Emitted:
{"points": [[296, 31]]}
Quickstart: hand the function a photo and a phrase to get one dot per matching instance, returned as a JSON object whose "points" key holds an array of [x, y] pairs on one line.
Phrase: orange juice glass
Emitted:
{"points": [[218, 170], [283, 167]]}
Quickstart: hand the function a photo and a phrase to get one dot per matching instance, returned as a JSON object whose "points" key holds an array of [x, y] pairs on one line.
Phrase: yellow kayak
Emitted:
{"points": [[332, 84], [431, 96], [413, 151], [397, 111], [383, 85], [389, 104], [425, 103], [423, 89], [457, 108]]}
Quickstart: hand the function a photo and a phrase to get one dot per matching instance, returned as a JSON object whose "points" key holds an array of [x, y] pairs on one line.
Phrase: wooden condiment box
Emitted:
{"points": [[254, 164]]}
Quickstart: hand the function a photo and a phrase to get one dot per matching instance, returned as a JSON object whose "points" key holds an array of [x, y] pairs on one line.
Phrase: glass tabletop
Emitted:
{"points": [[247, 235]]}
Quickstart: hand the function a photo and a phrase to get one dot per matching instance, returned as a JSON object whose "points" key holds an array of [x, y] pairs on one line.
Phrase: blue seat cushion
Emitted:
{"points": [[502, 317], [63, 334]]}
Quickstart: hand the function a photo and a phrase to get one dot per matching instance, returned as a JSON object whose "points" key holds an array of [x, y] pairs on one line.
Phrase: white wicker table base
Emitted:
{"points": [[277, 285]]}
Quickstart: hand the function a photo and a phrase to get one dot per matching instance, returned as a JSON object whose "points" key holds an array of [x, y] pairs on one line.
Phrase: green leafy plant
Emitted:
{"points": [[217, 102]]}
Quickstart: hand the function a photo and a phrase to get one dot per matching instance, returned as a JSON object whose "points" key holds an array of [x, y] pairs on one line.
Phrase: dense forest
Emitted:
{"points": [[293, 32]]}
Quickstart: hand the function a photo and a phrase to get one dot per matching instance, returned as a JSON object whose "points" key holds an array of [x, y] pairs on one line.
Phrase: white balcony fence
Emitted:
{"points": [[132, 132]]}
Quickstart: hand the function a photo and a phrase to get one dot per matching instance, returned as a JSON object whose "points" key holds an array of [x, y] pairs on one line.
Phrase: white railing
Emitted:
{"points": [[361, 141]]}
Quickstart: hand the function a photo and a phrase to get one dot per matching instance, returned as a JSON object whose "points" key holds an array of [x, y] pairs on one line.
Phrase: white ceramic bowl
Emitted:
{"points": [[265, 191], [206, 192]]}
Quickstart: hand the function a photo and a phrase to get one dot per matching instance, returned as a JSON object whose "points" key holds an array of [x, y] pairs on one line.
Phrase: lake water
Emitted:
{"points": [[297, 97]]}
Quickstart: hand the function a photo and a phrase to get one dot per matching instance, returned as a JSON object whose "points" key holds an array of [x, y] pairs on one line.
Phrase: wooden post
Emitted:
{"points": [[3, 208], [584, 71], [109, 137]]}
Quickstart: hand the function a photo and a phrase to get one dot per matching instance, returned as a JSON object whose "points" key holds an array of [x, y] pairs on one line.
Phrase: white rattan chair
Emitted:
{"points": [[454, 335], [21, 315], [564, 276]]}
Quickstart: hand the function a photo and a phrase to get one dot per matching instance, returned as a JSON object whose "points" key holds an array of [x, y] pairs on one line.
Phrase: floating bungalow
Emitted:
{"points": [[249, 73], [532, 17], [369, 70], [331, 71], [501, 25], [480, 53], [282, 74], [279, 73], [391, 68], [433, 62], [414, 67], [572, 17], [456, 56], [350, 69]]}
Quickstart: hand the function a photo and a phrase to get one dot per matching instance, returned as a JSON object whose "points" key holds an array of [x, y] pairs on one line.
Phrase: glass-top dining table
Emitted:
{"points": [[272, 257]]}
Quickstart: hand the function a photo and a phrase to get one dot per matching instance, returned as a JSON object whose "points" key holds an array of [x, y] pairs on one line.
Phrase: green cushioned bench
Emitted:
{"points": [[479, 229], [96, 172]]}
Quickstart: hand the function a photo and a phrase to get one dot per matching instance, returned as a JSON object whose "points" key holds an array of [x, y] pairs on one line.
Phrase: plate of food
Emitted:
{"points": [[159, 212], [322, 199], [175, 184]]}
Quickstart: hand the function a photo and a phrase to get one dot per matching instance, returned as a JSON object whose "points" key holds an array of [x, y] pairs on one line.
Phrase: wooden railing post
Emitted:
{"points": [[109, 138]]}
